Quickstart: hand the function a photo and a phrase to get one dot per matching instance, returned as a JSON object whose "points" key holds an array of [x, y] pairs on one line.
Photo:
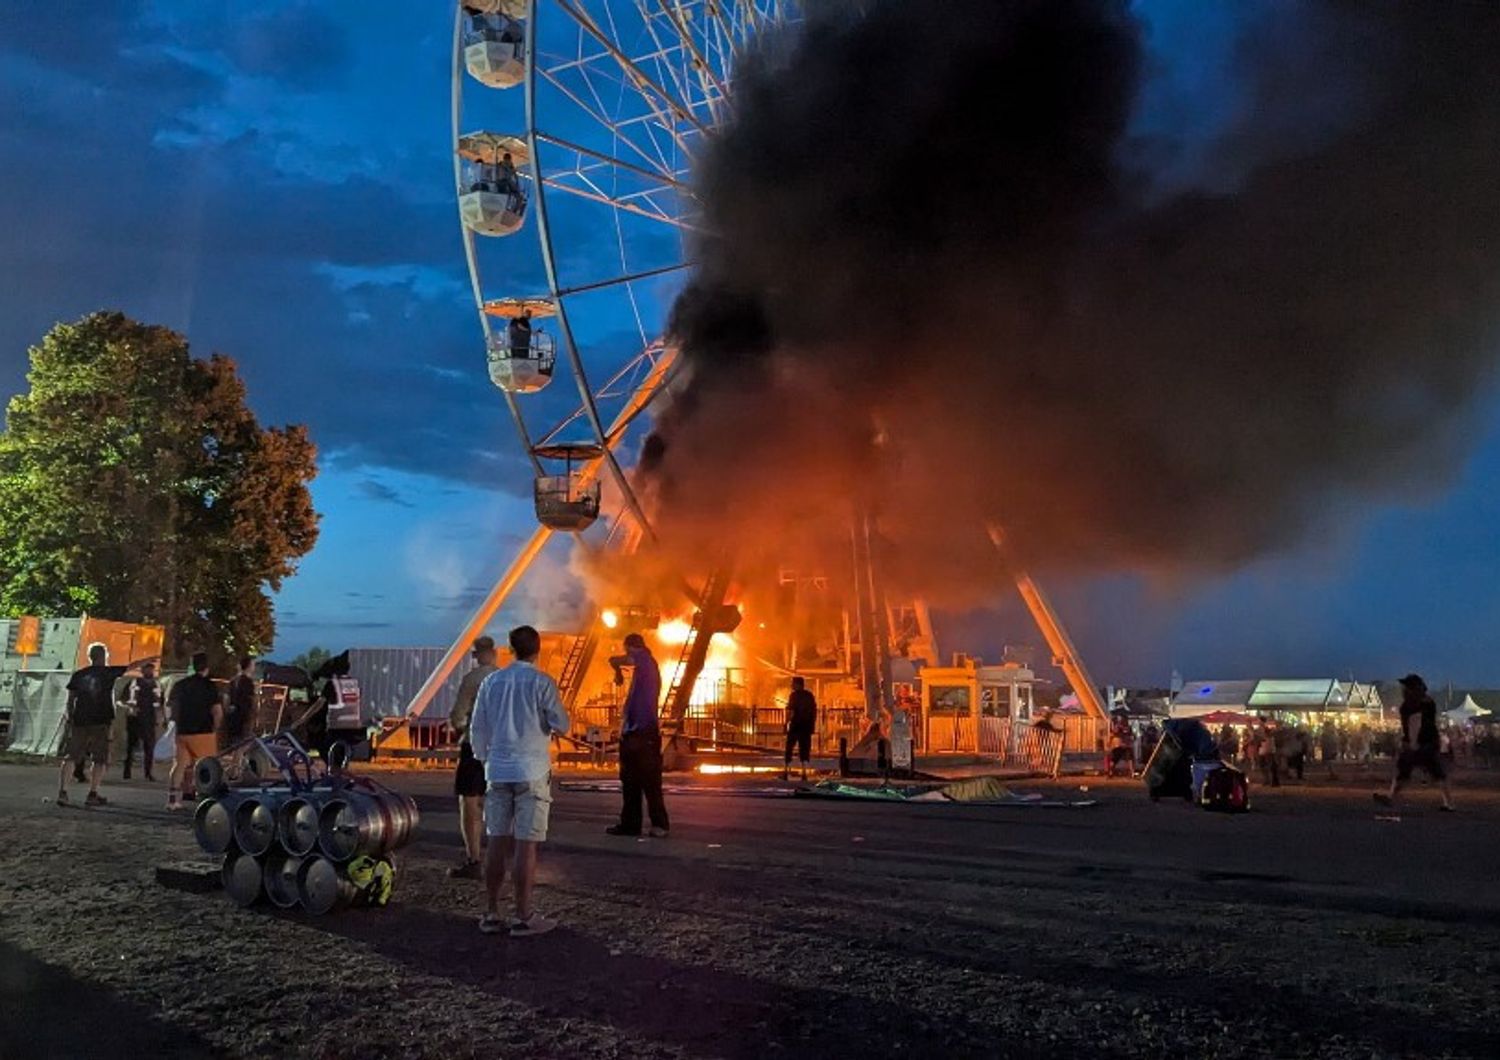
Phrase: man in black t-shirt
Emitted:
{"points": [[91, 712], [1419, 742], [194, 705], [801, 721]]}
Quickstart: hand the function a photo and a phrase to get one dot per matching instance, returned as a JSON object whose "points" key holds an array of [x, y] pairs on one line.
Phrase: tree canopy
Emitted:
{"points": [[135, 484]]}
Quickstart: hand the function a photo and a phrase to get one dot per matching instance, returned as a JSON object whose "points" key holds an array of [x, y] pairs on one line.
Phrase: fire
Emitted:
{"points": [[610, 618], [723, 670]]}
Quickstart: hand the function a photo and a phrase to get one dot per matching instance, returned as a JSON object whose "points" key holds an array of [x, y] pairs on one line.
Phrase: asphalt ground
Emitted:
{"points": [[769, 925]]}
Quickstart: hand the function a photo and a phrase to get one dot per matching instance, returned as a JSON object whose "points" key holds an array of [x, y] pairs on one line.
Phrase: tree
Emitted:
{"points": [[136, 484], [312, 658]]}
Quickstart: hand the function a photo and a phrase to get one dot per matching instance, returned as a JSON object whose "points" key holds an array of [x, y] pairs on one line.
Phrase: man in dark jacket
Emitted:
{"points": [[143, 702], [1419, 742], [239, 720], [801, 721]]}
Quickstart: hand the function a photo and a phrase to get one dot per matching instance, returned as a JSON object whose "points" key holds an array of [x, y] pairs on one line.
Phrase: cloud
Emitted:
{"points": [[373, 490]]}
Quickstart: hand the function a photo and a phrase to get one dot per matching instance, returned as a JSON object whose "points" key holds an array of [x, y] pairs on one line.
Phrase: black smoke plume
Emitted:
{"points": [[944, 278]]}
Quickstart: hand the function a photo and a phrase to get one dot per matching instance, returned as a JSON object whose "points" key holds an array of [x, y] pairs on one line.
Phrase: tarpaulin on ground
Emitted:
{"points": [[39, 700], [978, 791]]}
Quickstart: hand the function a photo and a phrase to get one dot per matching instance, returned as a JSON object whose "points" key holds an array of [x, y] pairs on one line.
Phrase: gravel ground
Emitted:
{"points": [[781, 927]]}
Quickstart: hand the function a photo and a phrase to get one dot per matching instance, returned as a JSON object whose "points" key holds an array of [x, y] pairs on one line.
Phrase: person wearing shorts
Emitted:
{"points": [[91, 713], [801, 722], [516, 712], [194, 705], [1420, 743], [468, 777]]}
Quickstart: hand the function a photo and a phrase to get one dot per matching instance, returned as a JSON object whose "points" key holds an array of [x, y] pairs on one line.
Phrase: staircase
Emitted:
{"points": [[695, 648], [580, 655]]}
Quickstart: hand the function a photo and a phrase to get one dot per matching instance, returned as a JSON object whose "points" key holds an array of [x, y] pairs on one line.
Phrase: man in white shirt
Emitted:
{"points": [[518, 710]]}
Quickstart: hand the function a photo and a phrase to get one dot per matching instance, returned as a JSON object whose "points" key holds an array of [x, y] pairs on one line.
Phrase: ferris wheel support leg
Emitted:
{"points": [[1064, 655], [475, 627]]}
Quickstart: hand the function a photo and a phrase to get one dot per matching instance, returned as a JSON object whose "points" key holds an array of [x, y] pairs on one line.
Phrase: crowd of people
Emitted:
{"points": [[203, 719], [505, 719]]}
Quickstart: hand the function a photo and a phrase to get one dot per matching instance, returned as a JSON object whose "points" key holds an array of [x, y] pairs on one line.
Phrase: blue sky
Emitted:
{"points": [[275, 182]]}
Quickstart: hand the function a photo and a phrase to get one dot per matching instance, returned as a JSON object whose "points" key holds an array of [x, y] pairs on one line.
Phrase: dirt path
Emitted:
{"points": [[785, 928]]}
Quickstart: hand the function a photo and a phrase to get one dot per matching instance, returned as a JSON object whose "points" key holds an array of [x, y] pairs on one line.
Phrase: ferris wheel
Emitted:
{"points": [[615, 98], [577, 122]]}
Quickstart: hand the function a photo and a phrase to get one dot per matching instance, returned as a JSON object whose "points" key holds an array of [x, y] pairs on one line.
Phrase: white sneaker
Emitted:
{"points": [[535, 924]]}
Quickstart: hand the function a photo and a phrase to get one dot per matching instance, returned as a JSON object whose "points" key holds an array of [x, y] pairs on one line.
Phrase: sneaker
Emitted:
{"points": [[93, 798], [1381, 797], [493, 924], [619, 829], [469, 870], [1445, 808], [535, 924], [658, 833], [174, 804], [62, 797]]}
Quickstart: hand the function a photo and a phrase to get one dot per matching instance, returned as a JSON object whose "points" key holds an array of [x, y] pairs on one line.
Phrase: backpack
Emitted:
{"points": [[1226, 790]]}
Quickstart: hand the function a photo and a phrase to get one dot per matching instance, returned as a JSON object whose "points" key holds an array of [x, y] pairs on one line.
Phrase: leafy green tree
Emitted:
{"points": [[312, 658], [135, 484]]}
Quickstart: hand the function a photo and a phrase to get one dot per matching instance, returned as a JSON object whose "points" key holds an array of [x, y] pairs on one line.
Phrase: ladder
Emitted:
{"points": [[580, 655], [624, 538], [695, 648]]}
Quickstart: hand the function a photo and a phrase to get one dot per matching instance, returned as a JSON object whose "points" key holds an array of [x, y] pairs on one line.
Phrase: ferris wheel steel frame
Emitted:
{"points": [[646, 375], [651, 371]]}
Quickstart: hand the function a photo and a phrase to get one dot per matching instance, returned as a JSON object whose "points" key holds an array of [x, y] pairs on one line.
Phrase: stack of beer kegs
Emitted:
{"points": [[320, 846]]}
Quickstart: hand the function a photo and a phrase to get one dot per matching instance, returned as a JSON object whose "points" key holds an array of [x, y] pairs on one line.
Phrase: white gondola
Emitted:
{"points": [[567, 502], [522, 369], [492, 198], [494, 47], [521, 360]]}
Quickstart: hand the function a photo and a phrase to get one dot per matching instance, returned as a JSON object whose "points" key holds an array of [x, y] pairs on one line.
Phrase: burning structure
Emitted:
{"points": [[952, 291]]}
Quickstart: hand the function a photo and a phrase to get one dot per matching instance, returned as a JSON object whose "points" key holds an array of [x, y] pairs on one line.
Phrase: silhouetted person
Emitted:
{"points": [[239, 719], [520, 334], [468, 777], [640, 741], [1419, 742], [91, 712], [506, 182], [143, 703], [801, 721]]}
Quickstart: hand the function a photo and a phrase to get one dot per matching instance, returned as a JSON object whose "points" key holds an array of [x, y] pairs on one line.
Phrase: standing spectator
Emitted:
{"points": [[1121, 743], [1270, 760], [91, 712], [194, 705], [1328, 740], [239, 720], [1299, 744], [143, 705], [1419, 742], [517, 711], [468, 776], [1229, 742], [640, 741], [801, 720], [1251, 747]]}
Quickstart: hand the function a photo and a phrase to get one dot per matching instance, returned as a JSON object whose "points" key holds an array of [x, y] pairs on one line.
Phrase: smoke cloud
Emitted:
{"points": [[944, 282]]}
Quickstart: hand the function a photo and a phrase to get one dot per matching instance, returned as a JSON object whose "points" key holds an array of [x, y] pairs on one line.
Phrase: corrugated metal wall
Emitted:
{"points": [[389, 677]]}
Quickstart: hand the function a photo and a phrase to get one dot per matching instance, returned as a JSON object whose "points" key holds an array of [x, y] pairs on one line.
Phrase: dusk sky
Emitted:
{"points": [[275, 182]]}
